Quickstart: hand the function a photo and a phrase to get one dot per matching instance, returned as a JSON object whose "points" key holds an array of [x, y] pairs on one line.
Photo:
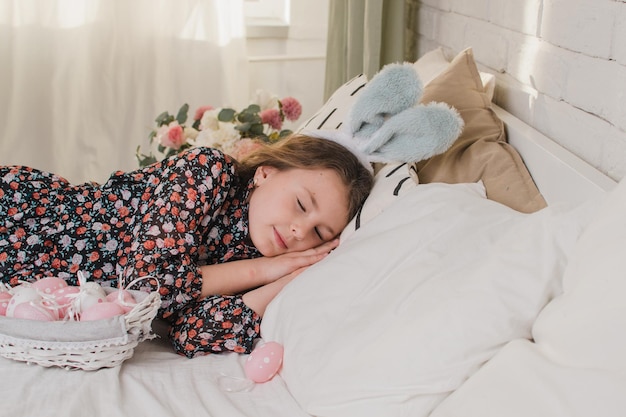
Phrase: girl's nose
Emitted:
{"points": [[298, 230]]}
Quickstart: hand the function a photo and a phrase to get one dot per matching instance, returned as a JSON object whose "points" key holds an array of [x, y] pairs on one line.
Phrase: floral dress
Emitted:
{"points": [[163, 221]]}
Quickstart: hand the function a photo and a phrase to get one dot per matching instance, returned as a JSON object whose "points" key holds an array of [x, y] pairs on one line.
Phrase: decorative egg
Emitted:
{"points": [[64, 297], [49, 285], [101, 311], [123, 298], [90, 293], [33, 311], [264, 362], [4, 302], [22, 294]]}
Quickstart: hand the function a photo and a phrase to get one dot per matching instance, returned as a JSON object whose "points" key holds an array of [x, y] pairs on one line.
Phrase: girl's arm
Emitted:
{"points": [[236, 277], [259, 298]]}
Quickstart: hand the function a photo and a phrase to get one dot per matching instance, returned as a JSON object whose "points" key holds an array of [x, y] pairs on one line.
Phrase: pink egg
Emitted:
{"points": [[264, 362], [123, 298], [49, 285], [64, 298], [32, 311], [101, 311], [4, 302], [22, 294]]}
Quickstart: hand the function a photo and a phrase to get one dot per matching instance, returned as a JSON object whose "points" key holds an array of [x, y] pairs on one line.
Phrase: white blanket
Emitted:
{"points": [[154, 382]]}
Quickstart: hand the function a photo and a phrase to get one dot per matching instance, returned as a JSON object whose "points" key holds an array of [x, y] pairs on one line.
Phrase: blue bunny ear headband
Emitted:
{"points": [[388, 124]]}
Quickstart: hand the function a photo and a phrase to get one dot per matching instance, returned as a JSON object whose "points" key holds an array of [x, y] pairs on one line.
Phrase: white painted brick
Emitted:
{"points": [[597, 86], [450, 31], [580, 25], [474, 8], [519, 16], [438, 4], [619, 35], [425, 45], [569, 82], [489, 43], [538, 64], [427, 22], [576, 130], [614, 154]]}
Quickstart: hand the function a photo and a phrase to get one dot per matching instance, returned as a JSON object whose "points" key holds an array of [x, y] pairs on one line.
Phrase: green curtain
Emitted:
{"points": [[363, 36]]}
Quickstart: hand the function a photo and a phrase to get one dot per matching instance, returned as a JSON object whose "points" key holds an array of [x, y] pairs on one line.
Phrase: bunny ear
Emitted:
{"points": [[415, 134], [393, 89], [343, 138]]}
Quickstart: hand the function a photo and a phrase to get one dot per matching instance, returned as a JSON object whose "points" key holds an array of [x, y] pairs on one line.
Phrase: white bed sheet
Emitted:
{"points": [[155, 382], [521, 381]]}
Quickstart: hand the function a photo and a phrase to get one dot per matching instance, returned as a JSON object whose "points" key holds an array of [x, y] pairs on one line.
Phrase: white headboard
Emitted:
{"points": [[560, 175]]}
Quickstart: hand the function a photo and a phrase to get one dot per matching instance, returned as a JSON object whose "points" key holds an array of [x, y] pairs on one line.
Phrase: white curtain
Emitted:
{"points": [[363, 36], [81, 81]]}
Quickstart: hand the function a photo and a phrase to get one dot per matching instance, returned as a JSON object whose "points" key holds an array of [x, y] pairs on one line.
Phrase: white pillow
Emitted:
{"points": [[390, 183], [577, 366], [408, 307], [336, 109], [586, 326]]}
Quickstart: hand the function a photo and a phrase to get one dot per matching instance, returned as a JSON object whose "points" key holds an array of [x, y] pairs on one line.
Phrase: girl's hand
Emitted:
{"points": [[278, 266], [238, 276], [259, 298]]}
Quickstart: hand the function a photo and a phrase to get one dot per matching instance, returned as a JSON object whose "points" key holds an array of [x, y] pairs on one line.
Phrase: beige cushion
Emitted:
{"points": [[481, 152]]}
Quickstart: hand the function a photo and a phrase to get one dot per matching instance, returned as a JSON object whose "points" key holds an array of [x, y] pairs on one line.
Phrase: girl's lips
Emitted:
{"points": [[279, 239]]}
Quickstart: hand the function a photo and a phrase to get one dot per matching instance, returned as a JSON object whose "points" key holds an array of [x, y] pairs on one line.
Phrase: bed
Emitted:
{"points": [[488, 290]]}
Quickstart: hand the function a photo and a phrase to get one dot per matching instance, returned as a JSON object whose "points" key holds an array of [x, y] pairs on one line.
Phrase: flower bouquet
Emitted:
{"points": [[234, 133]]}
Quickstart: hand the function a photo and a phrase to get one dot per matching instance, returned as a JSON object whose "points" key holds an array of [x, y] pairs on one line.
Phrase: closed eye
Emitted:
{"points": [[301, 205], [317, 231]]}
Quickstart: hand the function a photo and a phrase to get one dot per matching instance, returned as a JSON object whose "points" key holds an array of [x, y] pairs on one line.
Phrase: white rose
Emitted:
{"points": [[190, 133], [266, 100], [209, 120], [224, 137]]}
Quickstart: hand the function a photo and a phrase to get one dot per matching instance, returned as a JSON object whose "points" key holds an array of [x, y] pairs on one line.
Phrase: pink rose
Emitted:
{"points": [[200, 112], [272, 118], [172, 136], [244, 147], [291, 108]]}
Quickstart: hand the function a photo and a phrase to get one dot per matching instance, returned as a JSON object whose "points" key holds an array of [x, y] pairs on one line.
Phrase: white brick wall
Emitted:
{"points": [[560, 65]]}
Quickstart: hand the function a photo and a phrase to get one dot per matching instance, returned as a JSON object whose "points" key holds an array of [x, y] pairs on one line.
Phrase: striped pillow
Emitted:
{"points": [[334, 112]]}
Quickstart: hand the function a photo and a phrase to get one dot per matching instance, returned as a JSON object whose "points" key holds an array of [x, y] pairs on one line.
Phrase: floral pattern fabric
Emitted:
{"points": [[163, 221]]}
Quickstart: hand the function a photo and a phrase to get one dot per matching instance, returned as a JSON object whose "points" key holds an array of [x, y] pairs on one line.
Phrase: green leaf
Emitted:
{"points": [[163, 119], [181, 117], [144, 160], [246, 117], [284, 133], [254, 108], [256, 129], [226, 115], [170, 152], [243, 128]]}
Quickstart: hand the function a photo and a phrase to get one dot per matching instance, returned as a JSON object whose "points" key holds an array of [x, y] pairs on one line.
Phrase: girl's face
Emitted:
{"points": [[296, 209]]}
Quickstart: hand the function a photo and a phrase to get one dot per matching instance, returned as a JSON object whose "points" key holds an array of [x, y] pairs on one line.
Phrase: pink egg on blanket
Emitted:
{"points": [[33, 311], [49, 285], [101, 311], [4, 302], [264, 362]]}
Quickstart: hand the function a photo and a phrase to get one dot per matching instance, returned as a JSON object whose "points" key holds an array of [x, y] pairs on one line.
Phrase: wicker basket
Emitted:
{"points": [[80, 345]]}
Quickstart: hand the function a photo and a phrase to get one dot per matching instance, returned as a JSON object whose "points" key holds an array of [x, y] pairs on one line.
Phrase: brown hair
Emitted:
{"points": [[305, 152]]}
